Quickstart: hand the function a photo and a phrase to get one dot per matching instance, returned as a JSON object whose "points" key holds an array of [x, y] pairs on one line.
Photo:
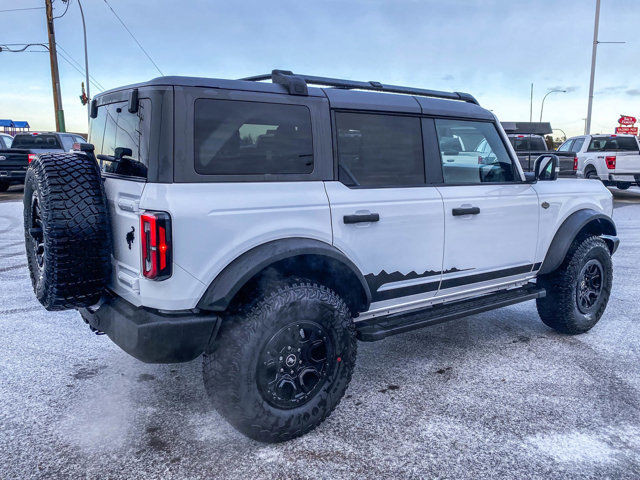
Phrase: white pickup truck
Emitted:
{"points": [[614, 159]]}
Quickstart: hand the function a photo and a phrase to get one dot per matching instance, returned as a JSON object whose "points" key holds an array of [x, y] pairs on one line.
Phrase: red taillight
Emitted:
{"points": [[575, 163], [155, 238], [31, 157], [611, 162], [480, 160]]}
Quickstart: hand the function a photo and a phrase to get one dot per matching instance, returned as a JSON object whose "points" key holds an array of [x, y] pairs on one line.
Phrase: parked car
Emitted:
{"points": [[5, 141], [24, 147], [614, 159], [268, 226], [529, 147]]}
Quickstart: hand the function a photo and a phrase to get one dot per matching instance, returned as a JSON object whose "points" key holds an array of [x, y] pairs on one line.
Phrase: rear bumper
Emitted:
{"points": [[6, 174], [151, 336], [623, 177]]}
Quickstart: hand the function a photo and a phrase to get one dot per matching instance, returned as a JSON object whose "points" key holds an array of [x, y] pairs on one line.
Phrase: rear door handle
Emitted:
{"points": [[362, 218], [465, 211]]}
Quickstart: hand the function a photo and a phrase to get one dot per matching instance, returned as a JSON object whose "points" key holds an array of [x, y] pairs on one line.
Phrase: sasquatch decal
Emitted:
{"points": [[382, 278]]}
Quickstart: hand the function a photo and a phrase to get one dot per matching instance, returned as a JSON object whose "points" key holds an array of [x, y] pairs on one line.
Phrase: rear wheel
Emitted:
{"points": [[281, 365], [4, 186], [623, 185], [592, 174], [578, 291]]}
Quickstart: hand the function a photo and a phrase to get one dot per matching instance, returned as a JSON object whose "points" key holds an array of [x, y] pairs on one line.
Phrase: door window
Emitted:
{"points": [[566, 146], [252, 138], [376, 150], [473, 152]]}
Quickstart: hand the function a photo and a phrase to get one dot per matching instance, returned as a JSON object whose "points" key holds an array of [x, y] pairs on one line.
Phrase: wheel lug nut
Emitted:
{"points": [[282, 369], [280, 358], [291, 372], [298, 349], [288, 348]]}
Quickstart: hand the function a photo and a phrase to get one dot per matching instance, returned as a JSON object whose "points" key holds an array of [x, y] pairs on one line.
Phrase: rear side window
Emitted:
{"points": [[41, 141], [115, 127], [252, 138], [379, 150], [613, 144], [577, 145], [67, 142], [463, 163], [528, 143]]}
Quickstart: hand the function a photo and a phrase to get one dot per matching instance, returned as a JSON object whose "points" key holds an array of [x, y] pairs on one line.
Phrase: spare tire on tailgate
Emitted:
{"points": [[66, 227]]}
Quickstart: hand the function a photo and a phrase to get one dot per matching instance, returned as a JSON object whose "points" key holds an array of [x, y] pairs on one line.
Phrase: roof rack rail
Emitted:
{"points": [[297, 85]]}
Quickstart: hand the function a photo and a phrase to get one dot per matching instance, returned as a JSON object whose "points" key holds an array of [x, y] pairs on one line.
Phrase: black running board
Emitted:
{"points": [[381, 327]]}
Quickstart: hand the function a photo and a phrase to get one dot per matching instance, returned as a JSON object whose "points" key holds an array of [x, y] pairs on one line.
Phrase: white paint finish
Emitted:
{"points": [[214, 223], [408, 238], [503, 235], [123, 198], [626, 162], [566, 196]]}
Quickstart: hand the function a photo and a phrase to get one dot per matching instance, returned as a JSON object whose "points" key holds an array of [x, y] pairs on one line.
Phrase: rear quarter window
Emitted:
{"points": [[115, 127], [252, 138]]}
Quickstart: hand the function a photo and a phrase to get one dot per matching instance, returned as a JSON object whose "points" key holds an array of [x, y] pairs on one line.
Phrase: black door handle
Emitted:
{"points": [[465, 211], [365, 218]]}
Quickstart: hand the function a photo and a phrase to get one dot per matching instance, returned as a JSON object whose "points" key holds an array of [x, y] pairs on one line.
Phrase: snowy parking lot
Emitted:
{"points": [[494, 395]]}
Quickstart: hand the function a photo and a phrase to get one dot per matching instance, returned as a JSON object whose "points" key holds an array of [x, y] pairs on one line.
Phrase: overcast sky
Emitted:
{"points": [[493, 49]]}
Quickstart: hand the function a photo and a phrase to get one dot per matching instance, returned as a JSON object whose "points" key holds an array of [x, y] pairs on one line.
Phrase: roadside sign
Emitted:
{"points": [[629, 130], [626, 120]]}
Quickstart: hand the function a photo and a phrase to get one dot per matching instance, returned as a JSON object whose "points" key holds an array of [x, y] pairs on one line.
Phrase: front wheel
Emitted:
{"points": [[281, 365], [578, 291]]}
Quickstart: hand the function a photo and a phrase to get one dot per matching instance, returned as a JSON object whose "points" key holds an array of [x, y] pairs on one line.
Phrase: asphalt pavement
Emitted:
{"points": [[496, 395]]}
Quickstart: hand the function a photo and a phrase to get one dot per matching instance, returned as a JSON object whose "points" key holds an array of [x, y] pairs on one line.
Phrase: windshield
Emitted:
{"points": [[37, 142], [528, 143], [611, 144]]}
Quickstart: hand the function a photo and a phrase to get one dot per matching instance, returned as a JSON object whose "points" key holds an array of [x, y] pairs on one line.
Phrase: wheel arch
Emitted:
{"points": [[578, 223], [305, 257]]}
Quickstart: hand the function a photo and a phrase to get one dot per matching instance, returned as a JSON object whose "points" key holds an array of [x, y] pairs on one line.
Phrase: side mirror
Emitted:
{"points": [[93, 113], [121, 152], [84, 147], [546, 167], [133, 101]]}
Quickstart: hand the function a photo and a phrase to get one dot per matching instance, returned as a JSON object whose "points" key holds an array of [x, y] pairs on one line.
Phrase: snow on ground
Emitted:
{"points": [[497, 395]]}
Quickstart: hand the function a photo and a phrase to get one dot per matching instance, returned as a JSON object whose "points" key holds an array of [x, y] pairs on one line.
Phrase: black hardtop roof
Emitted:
{"points": [[341, 93]]}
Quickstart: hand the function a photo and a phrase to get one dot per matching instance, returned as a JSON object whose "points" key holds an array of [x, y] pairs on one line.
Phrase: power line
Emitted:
{"points": [[94, 81], [134, 38], [21, 9], [68, 2], [80, 71]]}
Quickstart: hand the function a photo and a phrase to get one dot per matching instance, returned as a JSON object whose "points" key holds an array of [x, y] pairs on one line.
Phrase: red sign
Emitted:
{"points": [[626, 120], [629, 130]]}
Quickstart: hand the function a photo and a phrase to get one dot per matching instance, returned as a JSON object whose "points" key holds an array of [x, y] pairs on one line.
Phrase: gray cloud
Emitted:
{"points": [[634, 92], [447, 77], [569, 89], [610, 89]]}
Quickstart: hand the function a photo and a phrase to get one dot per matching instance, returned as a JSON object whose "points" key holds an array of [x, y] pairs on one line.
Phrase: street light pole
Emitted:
{"points": [[545, 97], [86, 61], [594, 51]]}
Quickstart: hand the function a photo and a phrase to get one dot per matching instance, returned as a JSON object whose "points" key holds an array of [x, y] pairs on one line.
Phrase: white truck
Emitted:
{"points": [[614, 159]]}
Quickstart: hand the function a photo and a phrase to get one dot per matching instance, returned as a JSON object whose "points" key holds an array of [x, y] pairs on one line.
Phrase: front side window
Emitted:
{"points": [[252, 138], [379, 150], [473, 152], [114, 127], [566, 146]]}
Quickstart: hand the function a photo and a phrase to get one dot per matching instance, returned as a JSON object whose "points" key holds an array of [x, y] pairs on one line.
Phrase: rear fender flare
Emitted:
{"points": [[233, 277]]}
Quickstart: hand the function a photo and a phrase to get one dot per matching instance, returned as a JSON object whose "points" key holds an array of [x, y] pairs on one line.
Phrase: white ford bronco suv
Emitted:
{"points": [[269, 225]]}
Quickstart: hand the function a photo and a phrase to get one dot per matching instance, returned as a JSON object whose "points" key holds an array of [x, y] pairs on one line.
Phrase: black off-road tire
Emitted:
{"points": [[623, 185], [4, 186], [559, 309], [231, 370], [67, 234]]}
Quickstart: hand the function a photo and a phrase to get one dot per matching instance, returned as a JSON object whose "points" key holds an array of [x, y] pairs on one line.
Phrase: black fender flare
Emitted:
{"points": [[234, 276], [596, 222]]}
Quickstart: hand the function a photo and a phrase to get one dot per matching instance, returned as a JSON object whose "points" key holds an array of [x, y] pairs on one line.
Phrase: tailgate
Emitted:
{"points": [[627, 162], [123, 200]]}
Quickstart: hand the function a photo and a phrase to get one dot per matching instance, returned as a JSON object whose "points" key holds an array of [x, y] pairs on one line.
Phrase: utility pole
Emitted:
{"points": [[86, 61], [594, 51], [55, 75], [531, 105]]}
